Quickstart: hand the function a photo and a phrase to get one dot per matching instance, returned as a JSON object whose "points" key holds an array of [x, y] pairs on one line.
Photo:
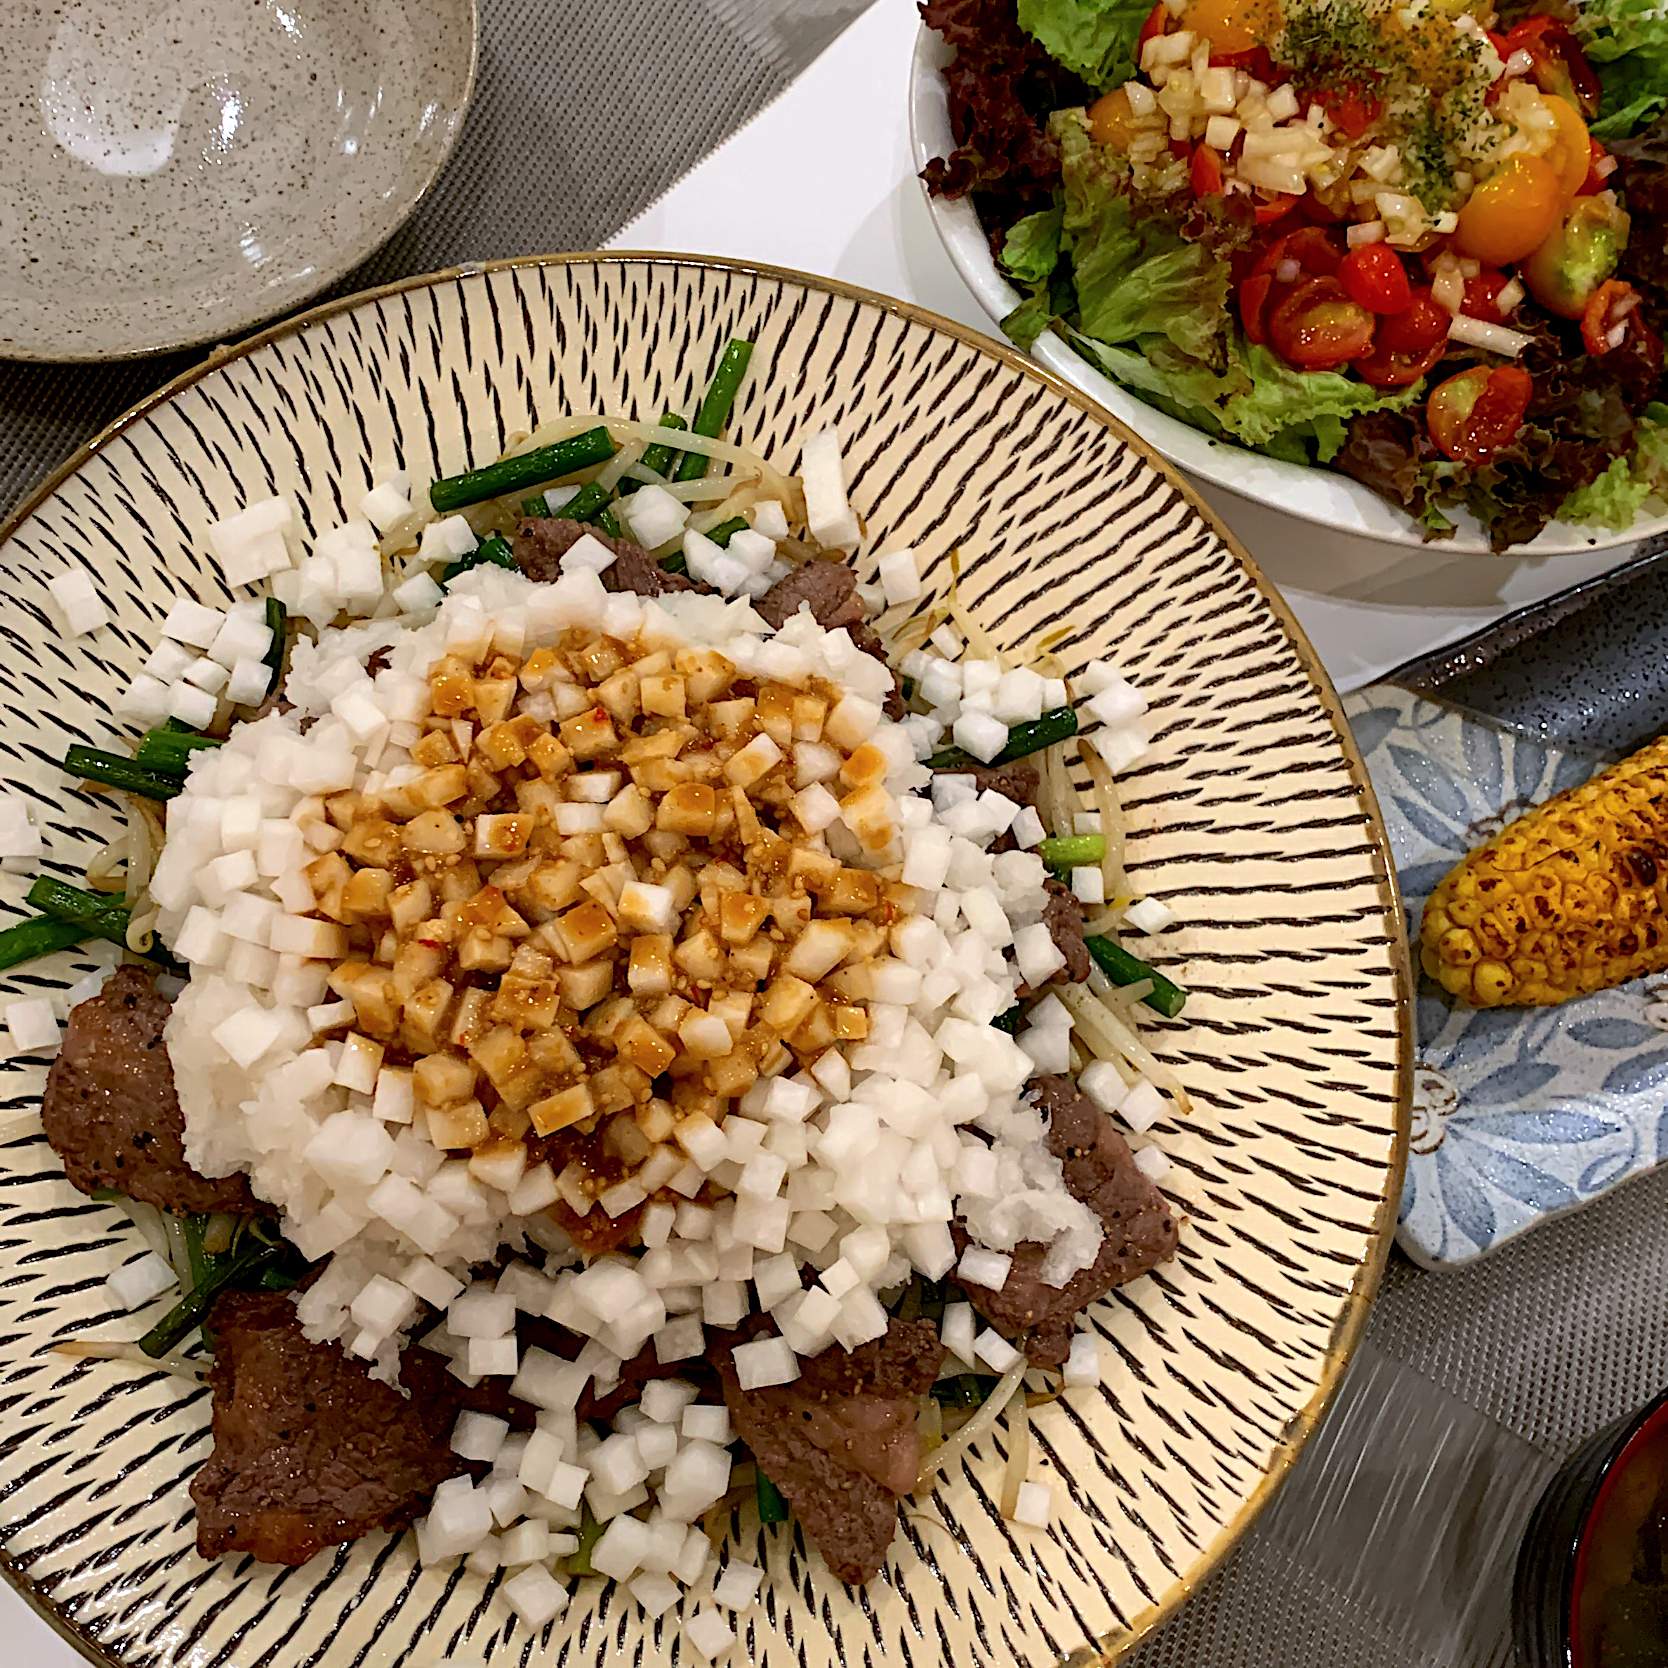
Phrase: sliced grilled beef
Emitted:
{"points": [[309, 1450], [542, 541], [110, 1109], [829, 589], [842, 1442], [1063, 916], [1140, 1231], [1017, 781]]}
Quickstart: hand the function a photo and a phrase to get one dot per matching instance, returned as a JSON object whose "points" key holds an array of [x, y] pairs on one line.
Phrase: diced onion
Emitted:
{"points": [[1478, 333]]}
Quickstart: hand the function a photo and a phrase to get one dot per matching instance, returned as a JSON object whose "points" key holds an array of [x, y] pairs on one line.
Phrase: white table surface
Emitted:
{"points": [[823, 182]]}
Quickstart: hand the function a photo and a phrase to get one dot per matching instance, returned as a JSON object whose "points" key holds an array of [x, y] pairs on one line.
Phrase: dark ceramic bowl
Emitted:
{"points": [[1551, 1559]]}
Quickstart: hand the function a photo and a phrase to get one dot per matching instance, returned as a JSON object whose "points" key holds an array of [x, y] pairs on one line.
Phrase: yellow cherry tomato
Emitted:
{"points": [[1571, 150], [1112, 121], [1512, 212], [1233, 25]]}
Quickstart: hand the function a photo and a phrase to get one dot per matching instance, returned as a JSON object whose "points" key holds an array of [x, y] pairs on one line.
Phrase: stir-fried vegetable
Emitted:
{"points": [[168, 752], [278, 623], [1023, 739], [1124, 969], [658, 459], [715, 408], [111, 770], [494, 549], [517, 473], [772, 1507], [38, 937], [727, 530], [252, 1256], [1072, 851]]}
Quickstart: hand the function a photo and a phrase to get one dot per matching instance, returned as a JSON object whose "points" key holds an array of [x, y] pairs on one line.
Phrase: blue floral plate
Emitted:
{"points": [[1518, 1114]]}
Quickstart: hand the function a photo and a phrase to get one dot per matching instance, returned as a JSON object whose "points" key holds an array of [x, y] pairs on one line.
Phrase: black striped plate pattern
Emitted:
{"points": [[1252, 819]]}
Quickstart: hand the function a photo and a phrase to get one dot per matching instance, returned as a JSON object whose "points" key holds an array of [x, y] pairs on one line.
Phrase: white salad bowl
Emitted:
{"points": [[1319, 495]]}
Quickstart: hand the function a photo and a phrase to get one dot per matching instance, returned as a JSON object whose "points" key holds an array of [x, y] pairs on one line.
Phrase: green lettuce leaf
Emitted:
{"points": [[1092, 38], [1136, 275], [1615, 499], [1627, 42], [1033, 245], [1314, 404]]}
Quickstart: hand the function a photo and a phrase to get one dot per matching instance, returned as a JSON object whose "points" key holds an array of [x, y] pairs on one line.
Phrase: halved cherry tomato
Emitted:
{"points": [[1353, 109], [1317, 249], [1253, 305], [1232, 25], [1511, 212], [1613, 303], [1571, 152], [1158, 23], [1318, 328], [1472, 415], [1374, 276], [1556, 61], [1481, 296], [1112, 120], [1205, 171], [1316, 253], [1408, 343], [1257, 62], [1595, 181], [1267, 210]]}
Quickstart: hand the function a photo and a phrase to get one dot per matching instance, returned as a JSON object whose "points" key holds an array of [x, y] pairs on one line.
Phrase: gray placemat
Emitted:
{"points": [[585, 112]]}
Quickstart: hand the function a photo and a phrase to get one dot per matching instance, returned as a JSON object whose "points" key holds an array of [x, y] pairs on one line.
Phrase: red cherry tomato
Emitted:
{"points": [[1482, 296], [1556, 61], [1353, 109], [1595, 181], [1255, 60], [1374, 276], [1613, 303], [1270, 209], [1253, 306], [1205, 172], [1472, 415], [1158, 23], [1318, 328], [1408, 344]]}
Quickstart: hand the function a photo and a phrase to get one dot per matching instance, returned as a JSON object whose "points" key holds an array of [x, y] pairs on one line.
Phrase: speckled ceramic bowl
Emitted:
{"points": [[1252, 819], [176, 171]]}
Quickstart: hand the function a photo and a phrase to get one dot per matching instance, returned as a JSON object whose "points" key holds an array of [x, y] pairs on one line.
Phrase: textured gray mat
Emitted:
{"points": [[1392, 1543], [585, 112]]}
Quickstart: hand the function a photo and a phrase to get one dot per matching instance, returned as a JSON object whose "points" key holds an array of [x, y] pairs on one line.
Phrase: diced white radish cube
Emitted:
{"points": [[78, 600], [33, 1024], [135, 1284], [192, 623], [899, 578]]}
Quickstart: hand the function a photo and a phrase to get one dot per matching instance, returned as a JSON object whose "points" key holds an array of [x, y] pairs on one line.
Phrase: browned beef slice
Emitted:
{"points": [[309, 1449], [830, 588], [1017, 781], [842, 1442], [1140, 1231], [110, 1109], [542, 541], [1063, 917]]}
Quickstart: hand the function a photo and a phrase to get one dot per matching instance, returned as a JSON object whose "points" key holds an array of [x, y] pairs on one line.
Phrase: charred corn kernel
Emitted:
{"points": [[1570, 898]]}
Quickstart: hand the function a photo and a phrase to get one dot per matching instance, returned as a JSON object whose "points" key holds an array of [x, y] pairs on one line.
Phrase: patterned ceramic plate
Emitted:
{"points": [[1253, 821], [1518, 1113]]}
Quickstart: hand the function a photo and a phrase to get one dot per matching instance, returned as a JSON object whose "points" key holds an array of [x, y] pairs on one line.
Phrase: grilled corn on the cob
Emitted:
{"points": [[1570, 898]]}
